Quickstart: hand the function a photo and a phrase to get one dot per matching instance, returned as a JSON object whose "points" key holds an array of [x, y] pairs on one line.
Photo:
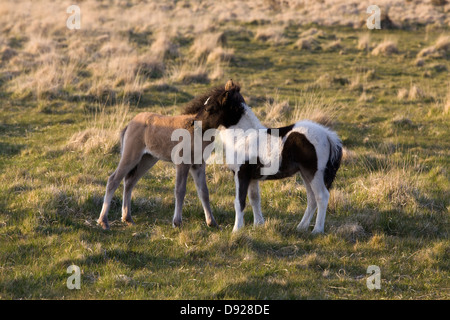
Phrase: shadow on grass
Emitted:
{"points": [[9, 150], [266, 287]]}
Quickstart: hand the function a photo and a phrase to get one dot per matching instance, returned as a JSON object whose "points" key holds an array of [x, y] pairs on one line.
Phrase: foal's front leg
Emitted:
{"points": [[180, 192], [199, 175]]}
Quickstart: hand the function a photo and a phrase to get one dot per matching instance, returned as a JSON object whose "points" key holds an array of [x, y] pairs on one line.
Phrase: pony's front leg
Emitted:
{"points": [[242, 182], [180, 192], [255, 201], [199, 175]]}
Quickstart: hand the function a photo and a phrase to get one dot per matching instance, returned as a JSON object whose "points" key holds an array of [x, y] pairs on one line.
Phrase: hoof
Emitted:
{"points": [[129, 221], [236, 230], [302, 228], [317, 231], [104, 224], [212, 224], [258, 223], [176, 223]]}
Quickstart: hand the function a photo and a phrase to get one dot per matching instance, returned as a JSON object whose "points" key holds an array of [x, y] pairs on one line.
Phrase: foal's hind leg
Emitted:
{"points": [[128, 161], [310, 208], [180, 192], [130, 181], [199, 176], [322, 195]]}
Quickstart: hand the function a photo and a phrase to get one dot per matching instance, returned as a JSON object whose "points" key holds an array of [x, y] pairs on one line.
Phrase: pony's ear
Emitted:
{"points": [[223, 98], [229, 85]]}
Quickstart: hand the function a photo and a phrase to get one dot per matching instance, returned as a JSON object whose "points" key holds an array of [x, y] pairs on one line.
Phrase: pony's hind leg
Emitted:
{"points": [[255, 201], [180, 192], [310, 208], [199, 176], [322, 196], [146, 163]]}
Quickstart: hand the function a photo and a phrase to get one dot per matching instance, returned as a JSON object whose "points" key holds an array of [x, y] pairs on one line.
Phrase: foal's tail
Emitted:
{"points": [[334, 160], [122, 136]]}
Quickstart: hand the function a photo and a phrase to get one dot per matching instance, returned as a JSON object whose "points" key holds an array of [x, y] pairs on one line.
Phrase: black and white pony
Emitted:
{"points": [[306, 147]]}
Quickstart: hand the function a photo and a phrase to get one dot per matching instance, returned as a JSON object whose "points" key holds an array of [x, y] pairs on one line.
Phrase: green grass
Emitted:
{"points": [[389, 206]]}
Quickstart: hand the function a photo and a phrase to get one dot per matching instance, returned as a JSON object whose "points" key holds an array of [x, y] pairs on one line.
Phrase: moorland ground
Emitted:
{"points": [[66, 94]]}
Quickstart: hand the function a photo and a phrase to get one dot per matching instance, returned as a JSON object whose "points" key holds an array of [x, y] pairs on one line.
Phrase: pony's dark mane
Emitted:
{"points": [[195, 105]]}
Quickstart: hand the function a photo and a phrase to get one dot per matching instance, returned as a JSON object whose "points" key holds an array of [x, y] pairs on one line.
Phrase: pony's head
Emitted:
{"points": [[222, 106]]}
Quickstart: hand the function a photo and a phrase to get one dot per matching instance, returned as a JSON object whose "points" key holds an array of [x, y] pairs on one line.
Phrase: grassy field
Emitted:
{"points": [[66, 94]]}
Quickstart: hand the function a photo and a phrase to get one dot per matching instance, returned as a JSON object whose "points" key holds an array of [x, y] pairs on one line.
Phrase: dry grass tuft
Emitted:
{"points": [[355, 84], [93, 139], [326, 81], [103, 132], [429, 51], [334, 45], [351, 231], [163, 47], [349, 156], [307, 43], [310, 106], [414, 93], [46, 79], [434, 255], [220, 54], [443, 43], [364, 97], [276, 110], [364, 42], [391, 182], [149, 67], [189, 73], [447, 103], [272, 35], [385, 48], [419, 62], [402, 121], [440, 49], [402, 94], [206, 43], [39, 45]]}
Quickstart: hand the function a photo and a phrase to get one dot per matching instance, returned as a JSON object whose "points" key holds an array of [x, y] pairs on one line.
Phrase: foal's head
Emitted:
{"points": [[220, 106]]}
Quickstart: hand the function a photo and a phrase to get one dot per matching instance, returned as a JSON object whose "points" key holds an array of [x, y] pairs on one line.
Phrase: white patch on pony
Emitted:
{"points": [[239, 218], [321, 138], [206, 101], [246, 133]]}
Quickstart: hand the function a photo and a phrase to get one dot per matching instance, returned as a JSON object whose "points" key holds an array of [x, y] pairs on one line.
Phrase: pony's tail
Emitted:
{"points": [[334, 160], [122, 136]]}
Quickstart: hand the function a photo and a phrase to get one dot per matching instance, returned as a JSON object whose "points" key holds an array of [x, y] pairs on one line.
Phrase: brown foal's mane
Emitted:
{"points": [[195, 105]]}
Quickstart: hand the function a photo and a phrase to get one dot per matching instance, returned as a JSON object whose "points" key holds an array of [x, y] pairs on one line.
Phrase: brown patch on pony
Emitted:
{"points": [[281, 131], [297, 154]]}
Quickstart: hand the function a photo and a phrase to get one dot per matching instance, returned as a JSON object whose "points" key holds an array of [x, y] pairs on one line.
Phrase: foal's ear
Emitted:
{"points": [[229, 85]]}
